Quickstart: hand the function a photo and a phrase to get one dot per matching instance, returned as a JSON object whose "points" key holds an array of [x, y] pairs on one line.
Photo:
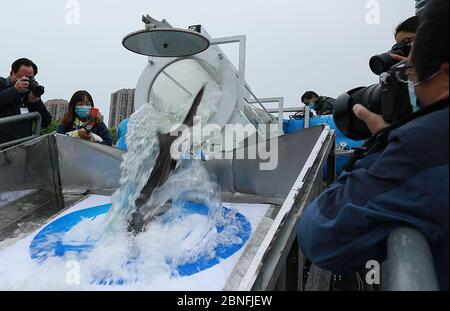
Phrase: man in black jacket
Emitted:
{"points": [[322, 105], [16, 99]]}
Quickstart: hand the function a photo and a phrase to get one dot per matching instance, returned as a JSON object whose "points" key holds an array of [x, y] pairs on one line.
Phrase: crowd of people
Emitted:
{"points": [[17, 98]]}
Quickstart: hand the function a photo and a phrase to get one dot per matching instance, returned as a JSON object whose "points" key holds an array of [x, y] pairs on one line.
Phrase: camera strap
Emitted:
{"points": [[380, 141]]}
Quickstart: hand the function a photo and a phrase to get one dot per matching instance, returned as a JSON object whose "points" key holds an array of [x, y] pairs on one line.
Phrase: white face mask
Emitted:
{"points": [[413, 97], [412, 90]]}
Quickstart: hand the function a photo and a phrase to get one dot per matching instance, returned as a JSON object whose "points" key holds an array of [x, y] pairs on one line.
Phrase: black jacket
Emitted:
{"points": [[99, 129], [325, 105], [10, 103]]}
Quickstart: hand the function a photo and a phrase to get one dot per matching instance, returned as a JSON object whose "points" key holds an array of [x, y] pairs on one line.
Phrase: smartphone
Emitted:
{"points": [[92, 119]]}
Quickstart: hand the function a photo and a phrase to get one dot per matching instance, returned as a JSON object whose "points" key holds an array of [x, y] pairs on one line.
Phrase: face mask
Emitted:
{"points": [[413, 97], [312, 106], [82, 112]]}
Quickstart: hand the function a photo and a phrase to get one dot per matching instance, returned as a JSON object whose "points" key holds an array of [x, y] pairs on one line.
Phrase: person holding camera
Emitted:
{"points": [[406, 32], [401, 176], [81, 121], [21, 94]]}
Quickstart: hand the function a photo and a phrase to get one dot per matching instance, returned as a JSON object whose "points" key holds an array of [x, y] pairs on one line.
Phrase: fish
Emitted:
{"points": [[163, 168]]}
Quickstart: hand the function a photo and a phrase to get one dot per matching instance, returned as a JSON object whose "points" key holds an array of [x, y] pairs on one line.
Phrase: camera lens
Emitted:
{"points": [[38, 91], [345, 119], [389, 98], [381, 63], [35, 88]]}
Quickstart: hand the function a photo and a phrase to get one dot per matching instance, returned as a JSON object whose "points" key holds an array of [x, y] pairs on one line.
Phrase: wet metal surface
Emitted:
{"points": [[31, 212]]}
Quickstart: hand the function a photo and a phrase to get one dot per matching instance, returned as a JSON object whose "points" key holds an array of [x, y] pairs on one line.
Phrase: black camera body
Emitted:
{"points": [[35, 88], [383, 62], [389, 98]]}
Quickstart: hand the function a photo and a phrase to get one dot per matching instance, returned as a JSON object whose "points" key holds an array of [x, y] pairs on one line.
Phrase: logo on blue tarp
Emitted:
{"points": [[49, 242]]}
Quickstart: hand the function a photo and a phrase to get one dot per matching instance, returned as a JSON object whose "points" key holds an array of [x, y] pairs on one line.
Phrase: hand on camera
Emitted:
{"points": [[398, 58], [84, 135], [22, 85], [374, 122], [32, 98]]}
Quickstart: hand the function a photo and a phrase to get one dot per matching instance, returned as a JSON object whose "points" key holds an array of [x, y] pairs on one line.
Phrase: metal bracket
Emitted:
{"points": [[242, 40], [280, 101], [151, 23]]}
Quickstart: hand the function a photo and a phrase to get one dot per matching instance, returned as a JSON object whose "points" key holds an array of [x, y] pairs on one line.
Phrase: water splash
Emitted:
{"points": [[176, 238], [143, 148]]}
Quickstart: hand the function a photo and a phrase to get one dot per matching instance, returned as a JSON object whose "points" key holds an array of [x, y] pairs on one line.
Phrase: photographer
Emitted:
{"points": [[406, 31], [402, 178], [76, 120], [16, 98], [405, 35]]}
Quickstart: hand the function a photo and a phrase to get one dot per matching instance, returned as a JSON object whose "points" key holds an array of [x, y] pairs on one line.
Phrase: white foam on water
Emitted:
{"points": [[162, 240]]}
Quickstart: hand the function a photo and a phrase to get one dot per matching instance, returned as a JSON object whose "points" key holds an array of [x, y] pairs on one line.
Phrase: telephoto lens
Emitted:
{"points": [[383, 62], [390, 99], [35, 88], [345, 118]]}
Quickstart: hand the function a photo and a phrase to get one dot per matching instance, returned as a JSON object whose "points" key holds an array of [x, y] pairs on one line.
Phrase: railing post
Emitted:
{"points": [[307, 117], [409, 265], [19, 118]]}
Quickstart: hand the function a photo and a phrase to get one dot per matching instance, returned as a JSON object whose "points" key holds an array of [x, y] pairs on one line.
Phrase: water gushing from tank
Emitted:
{"points": [[177, 238]]}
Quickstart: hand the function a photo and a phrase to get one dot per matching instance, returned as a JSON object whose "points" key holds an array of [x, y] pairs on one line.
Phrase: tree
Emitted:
{"points": [[113, 132], [51, 128]]}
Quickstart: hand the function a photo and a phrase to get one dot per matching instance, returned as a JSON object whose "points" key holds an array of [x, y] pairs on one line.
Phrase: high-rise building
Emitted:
{"points": [[121, 107], [57, 108]]}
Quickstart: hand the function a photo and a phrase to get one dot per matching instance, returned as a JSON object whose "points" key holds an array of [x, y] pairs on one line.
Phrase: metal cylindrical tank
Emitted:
{"points": [[170, 84]]}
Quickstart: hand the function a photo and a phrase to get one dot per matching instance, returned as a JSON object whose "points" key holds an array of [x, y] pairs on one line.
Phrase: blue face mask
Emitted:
{"points": [[312, 106], [413, 97], [82, 112]]}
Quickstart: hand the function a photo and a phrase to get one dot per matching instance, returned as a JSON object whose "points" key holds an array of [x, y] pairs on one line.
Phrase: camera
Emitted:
{"points": [[35, 88], [92, 120], [383, 62], [389, 98]]}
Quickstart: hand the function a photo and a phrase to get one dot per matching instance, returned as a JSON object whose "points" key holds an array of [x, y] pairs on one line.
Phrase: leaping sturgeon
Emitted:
{"points": [[162, 169]]}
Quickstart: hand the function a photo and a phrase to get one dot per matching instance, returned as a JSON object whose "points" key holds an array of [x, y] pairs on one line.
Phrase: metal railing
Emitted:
{"points": [[286, 110], [306, 110], [409, 265], [19, 118], [279, 110]]}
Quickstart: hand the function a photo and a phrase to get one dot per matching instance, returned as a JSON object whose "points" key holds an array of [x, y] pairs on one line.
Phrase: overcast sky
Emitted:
{"points": [[292, 45]]}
